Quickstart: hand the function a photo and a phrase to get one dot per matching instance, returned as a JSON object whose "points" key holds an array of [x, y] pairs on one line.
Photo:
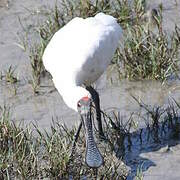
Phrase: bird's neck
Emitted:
{"points": [[71, 94]]}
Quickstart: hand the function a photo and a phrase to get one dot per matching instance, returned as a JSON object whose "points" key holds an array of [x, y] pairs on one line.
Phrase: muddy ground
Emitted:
{"points": [[157, 163]]}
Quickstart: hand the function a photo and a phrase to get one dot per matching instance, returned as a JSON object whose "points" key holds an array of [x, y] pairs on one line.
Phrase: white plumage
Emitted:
{"points": [[79, 53]]}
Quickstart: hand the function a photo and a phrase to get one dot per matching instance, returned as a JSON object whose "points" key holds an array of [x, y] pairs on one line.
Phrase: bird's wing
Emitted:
{"points": [[76, 45]]}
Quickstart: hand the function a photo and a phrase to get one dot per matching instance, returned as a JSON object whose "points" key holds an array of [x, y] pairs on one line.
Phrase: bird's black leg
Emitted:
{"points": [[95, 97], [76, 138]]}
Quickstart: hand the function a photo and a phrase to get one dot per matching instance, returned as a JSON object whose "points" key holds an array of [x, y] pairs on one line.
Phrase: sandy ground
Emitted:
{"points": [[30, 108]]}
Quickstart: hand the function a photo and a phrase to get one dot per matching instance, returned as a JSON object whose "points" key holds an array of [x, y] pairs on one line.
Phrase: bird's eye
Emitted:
{"points": [[79, 104]]}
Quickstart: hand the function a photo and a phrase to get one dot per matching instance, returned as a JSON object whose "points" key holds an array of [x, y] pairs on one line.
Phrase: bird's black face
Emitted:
{"points": [[93, 156], [84, 105]]}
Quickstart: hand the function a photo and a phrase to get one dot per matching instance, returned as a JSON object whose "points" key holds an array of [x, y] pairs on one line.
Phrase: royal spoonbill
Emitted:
{"points": [[76, 56]]}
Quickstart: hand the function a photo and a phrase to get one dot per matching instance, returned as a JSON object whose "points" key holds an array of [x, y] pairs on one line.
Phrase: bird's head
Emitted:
{"points": [[83, 100], [93, 156], [78, 95], [83, 105]]}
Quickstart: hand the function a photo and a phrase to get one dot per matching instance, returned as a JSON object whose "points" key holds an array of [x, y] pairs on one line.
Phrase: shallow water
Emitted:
{"points": [[27, 107]]}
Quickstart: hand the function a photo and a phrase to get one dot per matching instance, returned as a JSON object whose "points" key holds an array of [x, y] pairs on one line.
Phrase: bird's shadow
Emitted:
{"points": [[133, 154], [151, 138]]}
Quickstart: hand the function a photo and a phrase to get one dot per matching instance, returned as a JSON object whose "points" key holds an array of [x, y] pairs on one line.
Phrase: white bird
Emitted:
{"points": [[76, 56]]}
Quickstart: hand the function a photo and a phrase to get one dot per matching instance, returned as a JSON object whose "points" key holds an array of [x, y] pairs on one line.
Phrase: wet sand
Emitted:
{"points": [[27, 107]]}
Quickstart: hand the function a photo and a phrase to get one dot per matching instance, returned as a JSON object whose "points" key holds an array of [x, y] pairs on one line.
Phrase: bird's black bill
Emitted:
{"points": [[93, 156]]}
